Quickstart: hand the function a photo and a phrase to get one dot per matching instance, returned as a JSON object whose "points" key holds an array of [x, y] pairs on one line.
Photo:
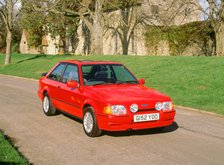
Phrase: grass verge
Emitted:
{"points": [[9, 154], [195, 82]]}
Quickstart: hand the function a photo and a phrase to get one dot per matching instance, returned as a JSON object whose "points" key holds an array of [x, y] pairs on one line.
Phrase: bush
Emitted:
{"points": [[179, 37]]}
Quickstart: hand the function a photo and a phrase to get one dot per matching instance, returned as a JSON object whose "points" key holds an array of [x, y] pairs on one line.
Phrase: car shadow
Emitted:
{"points": [[174, 126], [72, 117]]}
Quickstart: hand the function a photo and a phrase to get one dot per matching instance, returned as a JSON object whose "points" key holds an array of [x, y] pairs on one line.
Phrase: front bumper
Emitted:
{"points": [[123, 123]]}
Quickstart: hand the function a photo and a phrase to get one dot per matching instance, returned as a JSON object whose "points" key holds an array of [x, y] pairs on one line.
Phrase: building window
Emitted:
{"points": [[154, 9], [187, 11]]}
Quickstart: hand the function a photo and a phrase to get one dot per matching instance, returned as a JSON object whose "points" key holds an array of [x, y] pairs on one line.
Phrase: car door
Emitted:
{"points": [[71, 97], [54, 81]]}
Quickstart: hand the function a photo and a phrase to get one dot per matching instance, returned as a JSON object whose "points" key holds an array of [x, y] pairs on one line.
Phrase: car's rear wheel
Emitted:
{"points": [[47, 106], [90, 125]]}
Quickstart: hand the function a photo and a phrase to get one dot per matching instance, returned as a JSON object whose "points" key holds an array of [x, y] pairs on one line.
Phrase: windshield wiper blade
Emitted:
{"points": [[132, 82], [126, 82], [104, 83]]}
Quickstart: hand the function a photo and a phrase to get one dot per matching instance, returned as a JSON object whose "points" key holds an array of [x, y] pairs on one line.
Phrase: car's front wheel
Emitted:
{"points": [[90, 125], [47, 106]]}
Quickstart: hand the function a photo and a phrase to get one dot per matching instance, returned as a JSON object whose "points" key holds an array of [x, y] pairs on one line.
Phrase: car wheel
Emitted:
{"points": [[47, 106], [90, 125]]}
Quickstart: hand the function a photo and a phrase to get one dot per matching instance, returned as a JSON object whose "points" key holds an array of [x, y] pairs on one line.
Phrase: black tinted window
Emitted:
{"points": [[56, 74]]}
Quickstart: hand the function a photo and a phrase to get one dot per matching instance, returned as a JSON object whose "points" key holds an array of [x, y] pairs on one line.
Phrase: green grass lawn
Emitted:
{"points": [[8, 154], [195, 82]]}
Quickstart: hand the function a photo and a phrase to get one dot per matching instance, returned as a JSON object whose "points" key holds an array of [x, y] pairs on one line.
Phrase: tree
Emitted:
{"points": [[130, 17], [216, 16], [88, 11], [133, 13], [214, 12], [47, 22], [168, 15], [33, 22], [6, 12]]}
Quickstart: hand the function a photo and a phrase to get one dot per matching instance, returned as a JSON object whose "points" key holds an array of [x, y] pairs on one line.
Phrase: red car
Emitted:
{"points": [[105, 95]]}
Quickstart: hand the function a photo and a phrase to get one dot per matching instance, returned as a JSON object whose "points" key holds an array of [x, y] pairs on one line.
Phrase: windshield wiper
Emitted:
{"points": [[103, 83], [126, 82]]}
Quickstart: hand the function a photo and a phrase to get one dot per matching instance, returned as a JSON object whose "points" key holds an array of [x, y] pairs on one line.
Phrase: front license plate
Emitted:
{"points": [[146, 117]]}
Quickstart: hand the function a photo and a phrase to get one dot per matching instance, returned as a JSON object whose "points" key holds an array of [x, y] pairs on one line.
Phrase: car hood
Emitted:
{"points": [[126, 93]]}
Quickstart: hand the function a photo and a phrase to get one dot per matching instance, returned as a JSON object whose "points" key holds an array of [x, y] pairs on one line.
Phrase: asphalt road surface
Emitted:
{"points": [[195, 138]]}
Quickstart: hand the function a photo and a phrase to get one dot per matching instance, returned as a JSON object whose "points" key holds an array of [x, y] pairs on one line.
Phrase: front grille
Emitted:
{"points": [[149, 109]]}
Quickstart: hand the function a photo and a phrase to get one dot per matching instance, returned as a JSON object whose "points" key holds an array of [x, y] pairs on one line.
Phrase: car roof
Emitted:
{"points": [[88, 62]]}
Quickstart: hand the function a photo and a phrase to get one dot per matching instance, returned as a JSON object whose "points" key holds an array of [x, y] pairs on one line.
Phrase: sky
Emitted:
{"points": [[205, 6]]}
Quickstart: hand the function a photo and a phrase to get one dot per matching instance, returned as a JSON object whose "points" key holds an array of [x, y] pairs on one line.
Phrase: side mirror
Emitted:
{"points": [[43, 74], [72, 84], [141, 81]]}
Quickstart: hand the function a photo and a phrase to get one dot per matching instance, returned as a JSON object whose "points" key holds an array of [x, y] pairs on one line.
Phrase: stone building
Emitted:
{"points": [[171, 12], [159, 12]]}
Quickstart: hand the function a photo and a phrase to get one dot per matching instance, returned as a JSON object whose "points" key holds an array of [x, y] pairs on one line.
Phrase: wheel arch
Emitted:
{"points": [[89, 103], [96, 131], [42, 92], [46, 90]]}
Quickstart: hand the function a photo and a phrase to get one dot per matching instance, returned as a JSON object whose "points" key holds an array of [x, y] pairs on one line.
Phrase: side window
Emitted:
{"points": [[71, 73], [56, 74]]}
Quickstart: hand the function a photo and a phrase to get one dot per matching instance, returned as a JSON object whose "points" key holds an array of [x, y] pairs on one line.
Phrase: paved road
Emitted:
{"points": [[195, 138]]}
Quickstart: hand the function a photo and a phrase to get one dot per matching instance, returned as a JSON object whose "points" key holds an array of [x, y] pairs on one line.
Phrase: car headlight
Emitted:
{"points": [[165, 106], [115, 110], [159, 106]]}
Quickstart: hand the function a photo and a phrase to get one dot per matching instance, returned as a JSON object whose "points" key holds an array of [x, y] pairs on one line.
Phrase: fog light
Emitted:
{"points": [[134, 108]]}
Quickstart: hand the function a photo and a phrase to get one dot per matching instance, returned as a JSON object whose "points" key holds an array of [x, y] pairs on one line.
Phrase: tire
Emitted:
{"points": [[47, 106], [90, 125]]}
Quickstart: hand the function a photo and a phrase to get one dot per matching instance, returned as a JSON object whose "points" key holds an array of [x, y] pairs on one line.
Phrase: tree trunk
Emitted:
{"points": [[125, 29], [219, 35], [64, 45], [8, 22], [97, 35], [8, 47], [125, 46]]}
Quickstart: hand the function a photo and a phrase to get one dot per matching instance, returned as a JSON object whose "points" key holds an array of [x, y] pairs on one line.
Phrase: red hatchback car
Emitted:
{"points": [[105, 95]]}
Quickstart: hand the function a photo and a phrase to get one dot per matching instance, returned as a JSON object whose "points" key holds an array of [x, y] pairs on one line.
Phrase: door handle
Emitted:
{"points": [[59, 87]]}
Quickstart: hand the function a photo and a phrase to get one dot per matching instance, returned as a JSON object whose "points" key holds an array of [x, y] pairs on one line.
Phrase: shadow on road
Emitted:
{"points": [[72, 117], [162, 130]]}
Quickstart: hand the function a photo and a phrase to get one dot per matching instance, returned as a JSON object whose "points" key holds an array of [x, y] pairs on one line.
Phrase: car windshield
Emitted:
{"points": [[107, 74]]}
